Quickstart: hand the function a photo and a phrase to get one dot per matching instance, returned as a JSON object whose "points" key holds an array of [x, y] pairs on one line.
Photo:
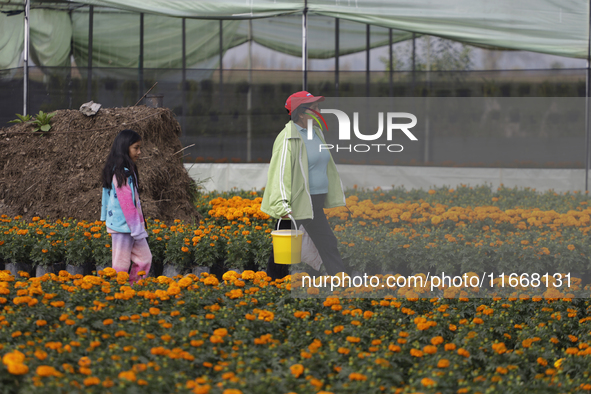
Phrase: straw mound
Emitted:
{"points": [[58, 175]]}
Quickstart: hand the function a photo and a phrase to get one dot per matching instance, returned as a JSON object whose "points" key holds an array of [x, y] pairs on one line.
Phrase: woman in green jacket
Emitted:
{"points": [[302, 180]]}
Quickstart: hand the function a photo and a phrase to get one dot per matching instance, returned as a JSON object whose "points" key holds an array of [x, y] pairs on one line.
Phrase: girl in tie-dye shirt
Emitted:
{"points": [[121, 208]]}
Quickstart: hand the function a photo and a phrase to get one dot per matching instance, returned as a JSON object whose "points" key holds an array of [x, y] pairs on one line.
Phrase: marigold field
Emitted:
{"points": [[244, 333]]}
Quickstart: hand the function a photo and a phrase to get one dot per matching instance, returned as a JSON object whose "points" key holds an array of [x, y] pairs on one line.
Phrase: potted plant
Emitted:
{"points": [[78, 251], [207, 249], [17, 249], [177, 257]]}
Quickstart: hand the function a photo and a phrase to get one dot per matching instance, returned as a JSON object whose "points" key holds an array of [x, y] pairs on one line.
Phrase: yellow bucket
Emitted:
{"points": [[287, 245]]}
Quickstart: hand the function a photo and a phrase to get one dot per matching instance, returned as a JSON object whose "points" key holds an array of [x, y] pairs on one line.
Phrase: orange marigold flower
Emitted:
{"points": [[430, 349], [91, 381], [128, 375], [443, 363], [296, 370], [357, 376]]}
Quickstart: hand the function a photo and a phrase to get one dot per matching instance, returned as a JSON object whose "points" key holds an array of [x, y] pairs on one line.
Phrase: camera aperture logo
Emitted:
{"points": [[345, 131]]}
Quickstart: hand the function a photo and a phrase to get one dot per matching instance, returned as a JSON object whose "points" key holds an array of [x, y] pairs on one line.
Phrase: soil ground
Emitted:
{"points": [[58, 174]]}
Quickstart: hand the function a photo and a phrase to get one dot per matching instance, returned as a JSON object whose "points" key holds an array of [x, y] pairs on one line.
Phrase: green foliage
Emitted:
{"points": [[21, 119], [42, 122]]}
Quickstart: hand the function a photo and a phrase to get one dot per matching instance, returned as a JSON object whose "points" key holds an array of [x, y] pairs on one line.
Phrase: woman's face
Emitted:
{"points": [[309, 114]]}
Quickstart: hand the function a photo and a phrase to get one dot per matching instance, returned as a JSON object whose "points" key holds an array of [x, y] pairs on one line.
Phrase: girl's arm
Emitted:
{"points": [[132, 215]]}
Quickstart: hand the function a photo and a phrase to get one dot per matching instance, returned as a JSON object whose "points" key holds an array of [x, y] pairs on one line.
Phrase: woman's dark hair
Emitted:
{"points": [[118, 160], [296, 113]]}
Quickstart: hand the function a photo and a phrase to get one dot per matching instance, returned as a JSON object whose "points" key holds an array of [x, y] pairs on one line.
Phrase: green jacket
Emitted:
{"points": [[287, 187]]}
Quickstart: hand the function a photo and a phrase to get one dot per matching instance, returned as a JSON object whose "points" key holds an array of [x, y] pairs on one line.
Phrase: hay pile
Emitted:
{"points": [[58, 175]]}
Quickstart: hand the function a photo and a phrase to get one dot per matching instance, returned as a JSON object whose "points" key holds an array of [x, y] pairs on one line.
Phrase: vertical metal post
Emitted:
{"points": [[391, 62], [26, 59], [305, 46], [90, 53], [249, 97], [414, 36], [367, 60], [221, 63], [587, 94], [141, 61], [336, 56], [184, 81]]}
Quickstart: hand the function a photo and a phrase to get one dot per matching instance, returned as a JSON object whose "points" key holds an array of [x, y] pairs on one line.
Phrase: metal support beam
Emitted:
{"points": [[141, 60], [414, 51], [90, 53], [305, 46], [391, 63], [221, 63], [336, 56], [249, 97], [587, 94], [367, 44], [184, 80], [26, 58]]}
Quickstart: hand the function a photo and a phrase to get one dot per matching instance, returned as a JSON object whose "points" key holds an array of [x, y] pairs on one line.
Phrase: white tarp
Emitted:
{"points": [[225, 177]]}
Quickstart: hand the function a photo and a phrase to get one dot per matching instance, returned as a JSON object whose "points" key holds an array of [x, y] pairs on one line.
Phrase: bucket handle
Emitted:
{"points": [[295, 225]]}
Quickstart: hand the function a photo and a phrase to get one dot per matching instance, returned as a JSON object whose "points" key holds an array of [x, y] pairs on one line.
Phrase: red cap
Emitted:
{"points": [[298, 98]]}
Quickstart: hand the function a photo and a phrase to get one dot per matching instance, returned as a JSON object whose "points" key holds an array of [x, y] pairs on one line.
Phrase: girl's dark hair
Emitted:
{"points": [[118, 160]]}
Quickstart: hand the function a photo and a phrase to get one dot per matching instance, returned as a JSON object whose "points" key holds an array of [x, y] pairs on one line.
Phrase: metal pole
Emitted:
{"points": [[141, 61], [90, 53], [221, 63], [336, 56], [391, 60], [26, 59], [305, 46], [367, 61], [249, 97], [587, 93], [587, 138], [184, 81], [414, 36]]}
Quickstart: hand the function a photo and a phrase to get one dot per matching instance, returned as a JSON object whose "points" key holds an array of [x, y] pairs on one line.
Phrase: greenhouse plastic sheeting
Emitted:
{"points": [[116, 40], [225, 177], [548, 26], [51, 35]]}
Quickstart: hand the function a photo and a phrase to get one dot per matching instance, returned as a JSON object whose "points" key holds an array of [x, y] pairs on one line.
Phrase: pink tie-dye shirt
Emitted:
{"points": [[132, 211]]}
